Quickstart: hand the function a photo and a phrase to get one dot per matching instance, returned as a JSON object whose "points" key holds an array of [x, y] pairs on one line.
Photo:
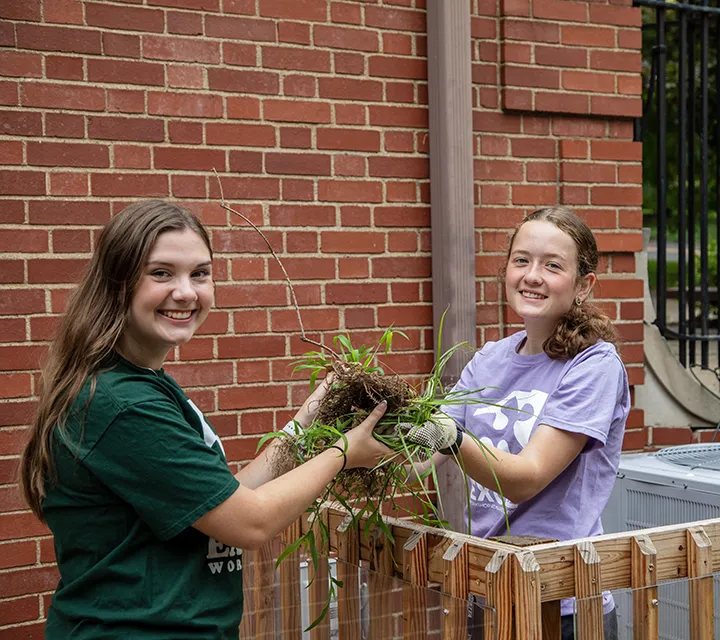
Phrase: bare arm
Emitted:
{"points": [[252, 516], [522, 476]]}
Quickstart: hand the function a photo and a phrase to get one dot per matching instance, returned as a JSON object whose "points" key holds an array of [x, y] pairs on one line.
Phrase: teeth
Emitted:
{"points": [[177, 315], [535, 296]]}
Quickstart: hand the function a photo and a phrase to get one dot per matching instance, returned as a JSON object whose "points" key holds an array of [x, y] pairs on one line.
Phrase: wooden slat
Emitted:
{"points": [[381, 584], [589, 593], [644, 584], [415, 573], [551, 624], [699, 549], [318, 589], [247, 624], [498, 617], [264, 592], [348, 567], [290, 598], [526, 596], [614, 549], [455, 591]]}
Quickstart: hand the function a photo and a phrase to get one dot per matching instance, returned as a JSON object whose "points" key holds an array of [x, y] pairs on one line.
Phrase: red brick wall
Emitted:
{"points": [[314, 113]]}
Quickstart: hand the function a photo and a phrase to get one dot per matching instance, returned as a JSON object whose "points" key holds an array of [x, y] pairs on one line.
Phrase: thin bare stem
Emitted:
{"points": [[303, 337]]}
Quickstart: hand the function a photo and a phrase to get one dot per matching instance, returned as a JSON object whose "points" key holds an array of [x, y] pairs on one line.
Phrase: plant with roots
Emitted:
{"points": [[359, 384]]}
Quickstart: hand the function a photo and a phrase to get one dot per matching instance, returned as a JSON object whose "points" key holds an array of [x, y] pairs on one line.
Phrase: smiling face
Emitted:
{"points": [[171, 299], [541, 279]]}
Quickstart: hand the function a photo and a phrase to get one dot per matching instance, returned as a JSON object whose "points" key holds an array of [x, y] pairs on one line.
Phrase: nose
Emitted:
{"points": [[534, 273], [184, 291]]}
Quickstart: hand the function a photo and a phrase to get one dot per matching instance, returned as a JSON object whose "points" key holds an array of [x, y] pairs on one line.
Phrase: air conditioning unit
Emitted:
{"points": [[671, 486]]}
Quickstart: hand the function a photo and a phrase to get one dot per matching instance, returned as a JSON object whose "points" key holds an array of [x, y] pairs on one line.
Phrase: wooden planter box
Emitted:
{"points": [[522, 584]]}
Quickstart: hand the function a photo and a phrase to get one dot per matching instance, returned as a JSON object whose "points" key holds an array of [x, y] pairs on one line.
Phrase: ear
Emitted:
{"points": [[585, 285]]}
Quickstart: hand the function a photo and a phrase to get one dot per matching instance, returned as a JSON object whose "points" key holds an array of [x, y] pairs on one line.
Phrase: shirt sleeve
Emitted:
{"points": [[588, 397], [153, 459]]}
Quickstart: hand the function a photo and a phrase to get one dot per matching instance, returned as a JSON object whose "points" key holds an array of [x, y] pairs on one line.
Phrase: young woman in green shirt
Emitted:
{"points": [[148, 520]]}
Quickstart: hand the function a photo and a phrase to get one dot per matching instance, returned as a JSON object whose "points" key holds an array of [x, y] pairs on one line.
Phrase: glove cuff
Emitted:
{"points": [[453, 449]]}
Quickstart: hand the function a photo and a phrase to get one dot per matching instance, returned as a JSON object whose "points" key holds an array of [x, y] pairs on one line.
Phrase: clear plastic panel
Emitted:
{"points": [[673, 609], [369, 605]]}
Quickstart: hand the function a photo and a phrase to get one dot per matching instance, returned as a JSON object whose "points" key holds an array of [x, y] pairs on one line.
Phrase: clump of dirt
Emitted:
{"points": [[354, 393]]}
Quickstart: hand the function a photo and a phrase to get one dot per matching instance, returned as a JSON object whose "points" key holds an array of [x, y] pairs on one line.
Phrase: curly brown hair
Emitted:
{"points": [[583, 325]]}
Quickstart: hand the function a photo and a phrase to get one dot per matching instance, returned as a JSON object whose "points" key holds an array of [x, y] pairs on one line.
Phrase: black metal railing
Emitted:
{"points": [[680, 130]]}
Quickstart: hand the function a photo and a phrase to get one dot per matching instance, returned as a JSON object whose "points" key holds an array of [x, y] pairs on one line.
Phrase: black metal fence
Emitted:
{"points": [[680, 130]]}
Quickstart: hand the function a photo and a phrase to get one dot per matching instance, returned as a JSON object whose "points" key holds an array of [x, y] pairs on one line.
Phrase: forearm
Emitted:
{"points": [[263, 468], [517, 475]]}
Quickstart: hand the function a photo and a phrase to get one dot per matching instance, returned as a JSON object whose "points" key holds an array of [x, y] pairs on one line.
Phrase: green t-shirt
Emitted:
{"points": [[135, 468]]}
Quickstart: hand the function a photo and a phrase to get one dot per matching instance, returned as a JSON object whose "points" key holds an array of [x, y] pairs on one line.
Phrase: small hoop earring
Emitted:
{"points": [[578, 301]]}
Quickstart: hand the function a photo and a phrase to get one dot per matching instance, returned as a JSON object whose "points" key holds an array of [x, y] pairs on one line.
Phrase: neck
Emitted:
{"points": [[537, 334], [140, 356]]}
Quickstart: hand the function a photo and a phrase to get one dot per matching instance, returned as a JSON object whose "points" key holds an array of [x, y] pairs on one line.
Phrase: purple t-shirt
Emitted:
{"points": [[588, 394]]}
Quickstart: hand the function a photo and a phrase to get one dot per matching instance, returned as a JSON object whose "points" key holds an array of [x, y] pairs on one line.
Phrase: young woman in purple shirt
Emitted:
{"points": [[560, 395]]}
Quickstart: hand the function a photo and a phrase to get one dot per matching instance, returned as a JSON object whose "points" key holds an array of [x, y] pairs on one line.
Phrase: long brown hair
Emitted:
{"points": [[583, 325], [94, 320]]}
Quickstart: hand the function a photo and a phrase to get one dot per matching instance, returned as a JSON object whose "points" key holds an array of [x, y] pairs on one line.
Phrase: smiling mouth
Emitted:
{"points": [[532, 296], [177, 315]]}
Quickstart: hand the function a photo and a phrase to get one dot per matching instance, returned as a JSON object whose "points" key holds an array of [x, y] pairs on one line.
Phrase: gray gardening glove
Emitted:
{"points": [[441, 433]]}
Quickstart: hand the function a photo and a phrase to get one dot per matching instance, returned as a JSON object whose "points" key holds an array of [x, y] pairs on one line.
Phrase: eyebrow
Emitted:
{"points": [[551, 256], [172, 264]]}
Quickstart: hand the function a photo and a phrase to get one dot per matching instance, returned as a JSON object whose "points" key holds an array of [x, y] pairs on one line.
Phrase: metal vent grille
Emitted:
{"points": [[705, 456]]}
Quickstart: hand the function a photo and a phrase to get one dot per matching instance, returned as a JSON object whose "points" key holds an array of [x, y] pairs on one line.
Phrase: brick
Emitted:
{"points": [[346, 38], [561, 56], [247, 135], [350, 89], [196, 375], [247, 188], [23, 65], [66, 154], [586, 172], [21, 10], [23, 240], [303, 269], [253, 82], [240, 28], [349, 165], [629, 39], [58, 212], [294, 32], [126, 72], [297, 164], [413, 117], [356, 293], [121, 45], [560, 10], [345, 12], [295, 58], [593, 36], [12, 329], [302, 215], [397, 44], [399, 167], [588, 81], [184, 23], [561, 102], [616, 150], [515, 8], [530, 77], [615, 15], [64, 68], [180, 49], [22, 183], [64, 125], [44, 38], [349, 63], [243, 108], [7, 34], [27, 581], [239, 54], [497, 170], [615, 61], [349, 191], [352, 242], [313, 10], [530, 31], [185, 132], [397, 267], [533, 148], [246, 161], [52, 270], [299, 86], [20, 123], [395, 19], [9, 93], [125, 101], [189, 159], [252, 295], [11, 152], [396, 67], [128, 184], [533, 195], [189, 105], [197, 5], [71, 240], [124, 18], [297, 111], [130, 129], [131, 157]]}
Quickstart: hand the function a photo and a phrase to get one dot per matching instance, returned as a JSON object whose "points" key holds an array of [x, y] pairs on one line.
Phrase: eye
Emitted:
{"points": [[160, 273], [520, 260], [554, 265], [201, 274]]}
